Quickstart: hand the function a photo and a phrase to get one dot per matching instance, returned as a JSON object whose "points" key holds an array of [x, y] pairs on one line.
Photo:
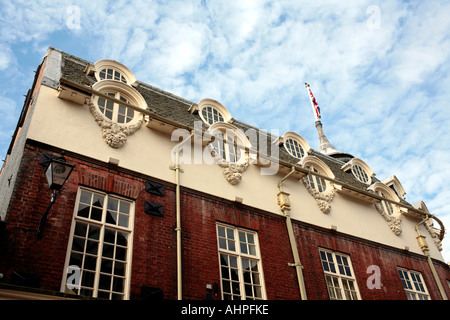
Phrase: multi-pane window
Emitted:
{"points": [[360, 173], [212, 115], [111, 74], [413, 284], [385, 206], [100, 244], [294, 148], [228, 146], [315, 182], [339, 276], [114, 111], [240, 264]]}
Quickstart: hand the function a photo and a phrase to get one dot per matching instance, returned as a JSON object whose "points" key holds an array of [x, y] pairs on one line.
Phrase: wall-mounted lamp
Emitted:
{"points": [[57, 172]]}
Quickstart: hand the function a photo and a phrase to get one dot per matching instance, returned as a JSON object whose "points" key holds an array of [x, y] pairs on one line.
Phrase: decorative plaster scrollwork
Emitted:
{"points": [[323, 199], [393, 222], [114, 134], [435, 237], [233, 171]]}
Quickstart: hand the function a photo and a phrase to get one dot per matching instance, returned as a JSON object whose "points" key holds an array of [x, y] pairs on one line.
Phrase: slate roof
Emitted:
{"points": [[174, 108]]}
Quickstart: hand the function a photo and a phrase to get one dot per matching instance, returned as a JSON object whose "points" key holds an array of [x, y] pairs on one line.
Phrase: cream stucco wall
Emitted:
{"points": [[71, 127]]}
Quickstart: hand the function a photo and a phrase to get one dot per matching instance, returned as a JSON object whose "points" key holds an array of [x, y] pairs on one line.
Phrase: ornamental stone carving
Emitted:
{"points": [[435, 237], [114, 134], [323, 199], [393, 222], [233, 171]]}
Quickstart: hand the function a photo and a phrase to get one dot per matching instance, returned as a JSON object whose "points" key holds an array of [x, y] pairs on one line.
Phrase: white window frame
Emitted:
{"points": [[211, 115], [128, 114], [228, 146], [315, 182], [213, 106], [294, 148], [414, 285], [233, 250], [109, 73], [360, 170], [360, 173], [340, 277], [385, 206], [104, 227]]}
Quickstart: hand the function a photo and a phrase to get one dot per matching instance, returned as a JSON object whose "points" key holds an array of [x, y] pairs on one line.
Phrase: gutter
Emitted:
{"points": [[88, 91], [283, 201]]}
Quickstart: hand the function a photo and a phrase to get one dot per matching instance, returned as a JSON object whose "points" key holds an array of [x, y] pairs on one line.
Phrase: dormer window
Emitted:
{"points": [[107, 69], [294, 148], [385, 206], [228, 145], [211, 115], [388, 210], [315, 182], [318, 185], [359, 169], [228, 149], [294, 144], [111, 74], [211, 112], [360, 173], [113, 111], [395, 185]]}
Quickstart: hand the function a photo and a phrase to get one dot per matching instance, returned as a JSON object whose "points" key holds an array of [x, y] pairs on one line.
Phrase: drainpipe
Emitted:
{"points": [[283, 201], [177, 169], [424, 246]]}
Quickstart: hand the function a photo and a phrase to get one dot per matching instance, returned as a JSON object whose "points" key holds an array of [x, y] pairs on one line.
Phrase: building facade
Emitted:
{"points": [[173, 199]]}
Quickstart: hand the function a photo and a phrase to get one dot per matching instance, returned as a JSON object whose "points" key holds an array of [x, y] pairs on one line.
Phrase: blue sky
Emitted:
{"points": [[379, 71]]}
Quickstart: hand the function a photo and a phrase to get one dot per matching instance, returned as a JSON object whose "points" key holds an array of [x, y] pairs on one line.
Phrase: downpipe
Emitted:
{"points": [[283, 201], [424, 246], [178, 170]]}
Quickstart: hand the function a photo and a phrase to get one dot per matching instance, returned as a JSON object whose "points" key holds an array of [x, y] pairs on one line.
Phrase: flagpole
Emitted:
{"points": [[314, 104]]}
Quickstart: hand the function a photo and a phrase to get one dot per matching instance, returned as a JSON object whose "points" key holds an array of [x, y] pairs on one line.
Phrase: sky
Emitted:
{"points": [[380, 70]]}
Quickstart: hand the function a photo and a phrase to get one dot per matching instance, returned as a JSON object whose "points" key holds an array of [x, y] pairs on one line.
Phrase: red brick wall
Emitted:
{"points": [[154, 245], [363, 255]]}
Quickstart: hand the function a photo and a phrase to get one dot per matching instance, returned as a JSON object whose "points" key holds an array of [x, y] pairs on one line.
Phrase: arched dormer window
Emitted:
{"points": [[229, 142], [294, 144], [393, 183], [384, 191], [116, 110], [229, 148], [389, 211], [107, 69], [211, 111], [319, 187], [318, 166], [360, 170]]}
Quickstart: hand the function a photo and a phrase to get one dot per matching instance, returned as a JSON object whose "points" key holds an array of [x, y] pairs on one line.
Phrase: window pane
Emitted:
{"points": [[239, 275], [94, 232], [123, 220], [78, 244], [122, 239], [85, 197], [83, 210], [106, 266], [119, 268], [96, 214], [87, 244], [80, 229]]}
